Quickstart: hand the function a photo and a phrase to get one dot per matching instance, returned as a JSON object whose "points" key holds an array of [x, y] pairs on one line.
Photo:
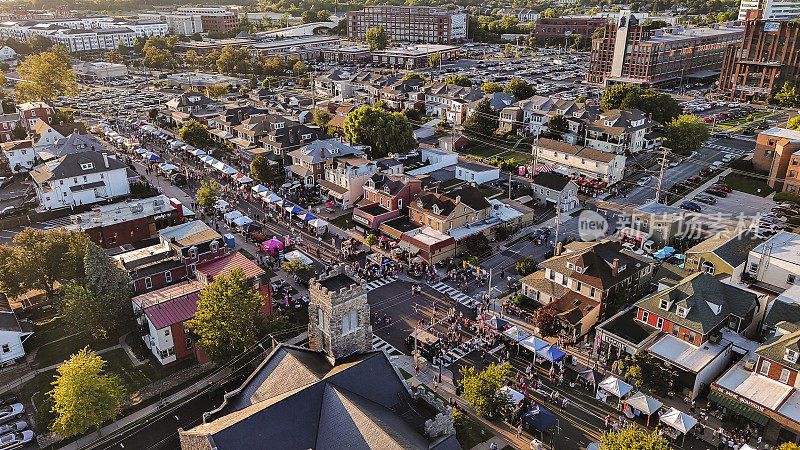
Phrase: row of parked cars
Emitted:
{"points": [[14, 432]]}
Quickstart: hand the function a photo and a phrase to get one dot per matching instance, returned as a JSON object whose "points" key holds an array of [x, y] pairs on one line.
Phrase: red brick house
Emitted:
{"points": [[162, 314], [31, 112], [385, 197]]}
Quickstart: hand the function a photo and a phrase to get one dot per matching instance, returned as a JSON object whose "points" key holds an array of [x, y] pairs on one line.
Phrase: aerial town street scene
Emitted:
{"points": [[310, 224]]}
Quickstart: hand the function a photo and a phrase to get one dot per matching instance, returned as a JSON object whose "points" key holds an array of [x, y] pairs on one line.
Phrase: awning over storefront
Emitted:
{"points": [[738, 407]]}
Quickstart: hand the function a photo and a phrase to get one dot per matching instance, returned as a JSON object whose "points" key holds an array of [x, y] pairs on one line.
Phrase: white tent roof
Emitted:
{"points": [[244, 179], [644, 403], [221, 204], [615, 386], [512, 394], [233, 215], [317, 223], [243, 220], [678, 420], [295, 255], [259, 188]]}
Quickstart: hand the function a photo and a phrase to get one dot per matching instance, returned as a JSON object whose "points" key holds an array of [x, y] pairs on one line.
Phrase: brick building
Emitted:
{"points": [[763, 61], [778, 152], [632, 53], [549, 29], [422, 24]]}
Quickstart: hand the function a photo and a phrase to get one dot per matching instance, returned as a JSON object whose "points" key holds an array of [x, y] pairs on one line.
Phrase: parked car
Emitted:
{"points": [[11, 427], [728, 157], [703, 199], [694, 180], [722, 187], [17, 439], [644, 181], [722, 134], [706, 172], [691, 206], [716, 192], [675, 163], [783, 210], [9, 412]]}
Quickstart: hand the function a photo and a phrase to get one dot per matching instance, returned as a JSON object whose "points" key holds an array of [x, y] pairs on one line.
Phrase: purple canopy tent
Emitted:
{"points": [[271, 246]]}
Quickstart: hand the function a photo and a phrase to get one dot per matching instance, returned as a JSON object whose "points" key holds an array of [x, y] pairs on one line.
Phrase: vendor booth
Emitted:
{"points": [[643, 404], [678, 423], [613, 386]]}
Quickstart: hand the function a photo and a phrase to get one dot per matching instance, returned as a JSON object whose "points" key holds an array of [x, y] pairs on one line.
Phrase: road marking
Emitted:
{"points": [[375, 284], [380, 344], [452, 293]]}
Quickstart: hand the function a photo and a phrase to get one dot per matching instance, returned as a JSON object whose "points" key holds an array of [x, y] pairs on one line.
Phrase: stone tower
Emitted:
{"points": [[339, 316]]}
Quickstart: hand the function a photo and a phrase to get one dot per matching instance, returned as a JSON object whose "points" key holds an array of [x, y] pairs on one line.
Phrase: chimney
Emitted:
{"points": [[615, 267], [458, 199], [105, 159], [557, 251]]}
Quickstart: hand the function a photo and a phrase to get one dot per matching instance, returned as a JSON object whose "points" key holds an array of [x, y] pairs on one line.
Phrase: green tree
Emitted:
{"points": [[294, 266], [102, 303], [435, 60], [480, 389], [83, 395], [321, 119], [384, 131], [525, 266], [234, 61], [478, 245], [520, 89], [261, 169], [228, 318], [122, 49], [195, 134], [633, 438], [794, 122], [47, 75], [789, 446], [377, 38], [208, 195], [371, 240], [685, 134], [216, 90], [483, 120], [299, 68], [138, 44], [558, 124], [490, 87], [413, 76], [458, 80], [19, 132], [662, 106], [788, 95], [40, 43], [551, 13], [113, 57]]}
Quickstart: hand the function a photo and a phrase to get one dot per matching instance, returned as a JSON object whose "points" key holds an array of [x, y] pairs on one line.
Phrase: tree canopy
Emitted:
{"points": [[261, 169], [480, 388], [47, 75], [483, 120], [228, 318], [458, 80], [83, 395], [384, 131], [520, 89], [787, 96], [633, 438], [195, 134], [558, 124], [490, 87], [661, 105], [685, 134], [377, 38], [208, 195]]}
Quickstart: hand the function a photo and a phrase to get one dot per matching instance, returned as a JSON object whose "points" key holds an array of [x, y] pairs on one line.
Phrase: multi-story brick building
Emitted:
{"points": [[770, 9], [549, 29], [763, 61], [778, 152], [423, 24], [385, 197], [31, 112], [633, 53], [213, 19]]}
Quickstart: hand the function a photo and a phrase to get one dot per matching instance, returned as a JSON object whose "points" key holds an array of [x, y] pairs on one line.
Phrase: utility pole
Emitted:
{"points": [[558, 223], [509, 185], [489, 289], [416, 357], [661, 174]]}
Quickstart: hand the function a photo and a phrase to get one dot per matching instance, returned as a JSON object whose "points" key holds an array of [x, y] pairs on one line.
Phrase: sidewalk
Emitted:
{"points": [[155, 407]]}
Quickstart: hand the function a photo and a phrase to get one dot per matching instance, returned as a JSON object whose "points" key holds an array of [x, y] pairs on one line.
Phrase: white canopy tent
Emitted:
{"points": [[221, 204], [615, 386], [232, 215], [243, 220], [678, 421], [515, 396], [295, 255], [644, 403], [259, 188]]}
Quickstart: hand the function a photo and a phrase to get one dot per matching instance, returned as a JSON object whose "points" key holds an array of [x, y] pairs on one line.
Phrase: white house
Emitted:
{"points": [[774, 265], [345, 178], [19, 154], [7, 53], [436, 158], [12, 334], [80, 178], [581, 161], [476, 173]]}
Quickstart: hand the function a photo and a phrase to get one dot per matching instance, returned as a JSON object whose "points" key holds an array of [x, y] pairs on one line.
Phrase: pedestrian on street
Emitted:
{"points": [[519, 431]]}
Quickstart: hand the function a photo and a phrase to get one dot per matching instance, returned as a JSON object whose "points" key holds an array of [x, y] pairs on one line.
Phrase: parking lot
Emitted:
{"points": [[748, 205], [110, 102]]}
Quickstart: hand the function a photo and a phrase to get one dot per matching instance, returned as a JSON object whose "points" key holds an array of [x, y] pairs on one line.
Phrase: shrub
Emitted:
{"points": [[794, 220], [786, 196]]}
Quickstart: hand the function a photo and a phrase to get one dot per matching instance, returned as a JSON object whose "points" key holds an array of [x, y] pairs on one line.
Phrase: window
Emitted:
{"points": [[675, 330], [660, 323], [6, 348], [784, 376], [791, 278], [578, 286], [168, 277], [708, 267], [350, 322], [189, 343], [321, 318], [166, 332], [148, 283], [645, 316], [764, 367], [591, 292]]}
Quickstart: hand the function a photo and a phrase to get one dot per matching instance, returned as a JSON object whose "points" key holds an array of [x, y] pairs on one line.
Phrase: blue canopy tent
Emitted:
{"points": [[664, 253], [305, 217], [533, 343], [294, 209], [497, 323], [151, 156], [539, 418], [550, 353]]}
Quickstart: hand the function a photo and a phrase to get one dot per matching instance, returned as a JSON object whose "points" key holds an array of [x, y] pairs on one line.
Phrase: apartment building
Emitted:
{"points": [[76, 40], [385, 197], [445, 213], [770, 9], [449, 101], [579, 161], [774, 265], [422, 24], [184, 24], [213, 19], [630, 52], [31, 112], [623, 132], [529, 117], [550, 29], [763, 61], [345, 177], [575, 283], [777, 152], [308, 162]]}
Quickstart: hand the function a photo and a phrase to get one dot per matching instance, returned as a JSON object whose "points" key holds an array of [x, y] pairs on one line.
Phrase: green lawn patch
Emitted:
{"points": [[489, 192], [750, 185], [56, 352], [450, 183], [482, 150], [36, 391], [344, 222], [469, 433]]}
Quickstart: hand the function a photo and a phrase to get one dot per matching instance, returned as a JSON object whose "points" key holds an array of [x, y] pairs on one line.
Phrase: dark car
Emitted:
{"points": [[705, 172], [694, 180], [178, 179], [716, 192], [691, 206], [722, 187]]}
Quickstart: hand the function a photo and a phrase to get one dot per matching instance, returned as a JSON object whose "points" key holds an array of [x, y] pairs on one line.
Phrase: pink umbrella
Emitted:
{"points": [[329, 204]]}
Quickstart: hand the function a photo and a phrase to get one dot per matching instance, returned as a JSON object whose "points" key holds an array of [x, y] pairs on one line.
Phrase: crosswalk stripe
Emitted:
{"points": [[375, 284], [380, 344], [453, 293]]}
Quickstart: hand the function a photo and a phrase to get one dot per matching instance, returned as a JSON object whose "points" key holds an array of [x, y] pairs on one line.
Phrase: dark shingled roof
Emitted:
{"points": [[552, 180], [297, 399], [775, 347]]}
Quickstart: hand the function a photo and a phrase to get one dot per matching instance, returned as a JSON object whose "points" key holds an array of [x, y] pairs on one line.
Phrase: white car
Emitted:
{"points": [[16, 440], [9, 412], [644, 181], [728, 157], [13, 426]]}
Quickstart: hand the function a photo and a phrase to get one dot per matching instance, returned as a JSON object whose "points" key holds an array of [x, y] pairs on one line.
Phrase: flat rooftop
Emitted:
{"points": [[754, 387], [401, 224], [686, 355], [374, 209], [337, 282], [625, 327], [106, 215]]}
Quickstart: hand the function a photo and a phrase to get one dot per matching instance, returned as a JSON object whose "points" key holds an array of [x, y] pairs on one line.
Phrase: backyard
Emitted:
{"points": [[750, 185]]}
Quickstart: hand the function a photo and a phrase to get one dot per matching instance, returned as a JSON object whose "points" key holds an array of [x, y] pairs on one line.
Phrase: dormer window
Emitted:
{"points": [[682, 311], [277, 125], [790, 355], [87, 166], [306, 137], [436, 210], [664, 305], [609, 123]]}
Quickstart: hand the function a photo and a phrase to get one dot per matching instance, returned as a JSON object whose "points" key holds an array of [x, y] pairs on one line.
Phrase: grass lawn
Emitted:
{"points": [[344, 222], [749, 185], [36, 391], [469, 432], [489, 192], [56, 352], [482, 150]]}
